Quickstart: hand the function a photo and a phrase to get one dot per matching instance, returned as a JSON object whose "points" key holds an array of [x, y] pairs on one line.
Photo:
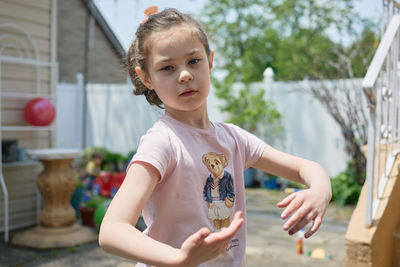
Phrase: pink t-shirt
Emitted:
{"points": [[201, 184]]}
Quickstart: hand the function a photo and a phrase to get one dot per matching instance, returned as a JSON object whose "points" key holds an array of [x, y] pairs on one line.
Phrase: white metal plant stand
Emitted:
{"points": [[27, 54]]}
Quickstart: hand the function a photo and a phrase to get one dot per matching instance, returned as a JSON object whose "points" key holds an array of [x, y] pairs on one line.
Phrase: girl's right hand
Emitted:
{"points": [[204, 245]]}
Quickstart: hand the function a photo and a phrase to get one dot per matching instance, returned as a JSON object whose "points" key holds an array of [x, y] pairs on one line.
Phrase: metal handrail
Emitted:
{"points": [[381, 53], [382, 90]]}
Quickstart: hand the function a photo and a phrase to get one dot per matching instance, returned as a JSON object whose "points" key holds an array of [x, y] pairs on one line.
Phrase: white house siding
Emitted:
{"points": [[35, 18]]}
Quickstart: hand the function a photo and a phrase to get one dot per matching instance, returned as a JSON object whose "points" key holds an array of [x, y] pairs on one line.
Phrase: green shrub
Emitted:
{"points": [[345, 188], [93, 202]]}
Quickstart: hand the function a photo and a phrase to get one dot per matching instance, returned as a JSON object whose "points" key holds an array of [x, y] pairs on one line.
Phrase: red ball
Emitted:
{"points": [[39, 112]]}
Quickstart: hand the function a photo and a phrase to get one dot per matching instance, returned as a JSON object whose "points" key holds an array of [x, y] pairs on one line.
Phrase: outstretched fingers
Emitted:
{"points": [[315, 226], [198, 237], [204, 245], [291, 204], [301, 209], [236, 223], [227, 233], [286, 201], [300, 222]]}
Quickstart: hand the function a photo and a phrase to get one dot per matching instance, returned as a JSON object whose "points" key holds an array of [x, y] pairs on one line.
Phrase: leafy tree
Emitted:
{"points": [[247, 107], [292, 37], [348, 106], [318, 58], [240, 36], [299, 56]]}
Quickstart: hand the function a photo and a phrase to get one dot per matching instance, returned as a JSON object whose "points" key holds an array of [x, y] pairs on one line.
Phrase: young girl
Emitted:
{"points": [[187, 174]]}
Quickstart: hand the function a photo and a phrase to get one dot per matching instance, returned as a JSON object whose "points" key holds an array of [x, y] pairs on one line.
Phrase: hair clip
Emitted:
{"points": [[148, 12]]}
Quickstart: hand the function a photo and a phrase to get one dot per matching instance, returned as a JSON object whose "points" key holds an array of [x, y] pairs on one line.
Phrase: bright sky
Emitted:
{"points": [[124, 16]]}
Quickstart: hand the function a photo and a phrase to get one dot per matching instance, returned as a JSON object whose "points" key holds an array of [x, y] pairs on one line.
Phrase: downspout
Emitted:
{"points": [[86, 71], [53, 60]]}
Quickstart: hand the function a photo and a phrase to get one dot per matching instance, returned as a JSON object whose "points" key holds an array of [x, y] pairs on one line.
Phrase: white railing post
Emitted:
{"points": [[382, 90], [370, 165]]}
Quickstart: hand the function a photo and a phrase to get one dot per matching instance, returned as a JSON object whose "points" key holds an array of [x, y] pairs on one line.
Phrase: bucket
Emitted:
{"points": [[248, 177], [270, 183]]}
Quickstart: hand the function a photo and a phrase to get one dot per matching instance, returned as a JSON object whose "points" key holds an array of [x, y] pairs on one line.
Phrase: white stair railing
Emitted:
{"points": [[381, 86]]}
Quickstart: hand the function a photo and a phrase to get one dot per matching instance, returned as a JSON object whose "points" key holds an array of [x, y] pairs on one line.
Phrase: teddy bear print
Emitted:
{"points": [[218, 190]]}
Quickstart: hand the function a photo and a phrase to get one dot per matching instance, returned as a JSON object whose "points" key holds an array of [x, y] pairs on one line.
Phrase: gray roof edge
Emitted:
{"points": [[95, 12]]}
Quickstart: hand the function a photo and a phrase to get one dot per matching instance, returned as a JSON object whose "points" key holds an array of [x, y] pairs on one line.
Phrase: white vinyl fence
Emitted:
{"points": [[116, 119], [309, 130]]}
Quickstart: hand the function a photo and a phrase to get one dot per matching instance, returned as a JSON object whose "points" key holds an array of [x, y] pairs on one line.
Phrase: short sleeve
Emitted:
{"points": [[250, 145], [155, 149]]}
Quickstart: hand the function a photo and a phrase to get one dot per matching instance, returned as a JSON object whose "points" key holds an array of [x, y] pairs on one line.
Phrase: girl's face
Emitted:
{"points": [[178, 69]]}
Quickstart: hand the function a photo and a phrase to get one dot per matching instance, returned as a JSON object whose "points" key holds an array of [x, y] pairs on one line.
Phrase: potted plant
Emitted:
{"points": [[88, 209], [77, 196]]}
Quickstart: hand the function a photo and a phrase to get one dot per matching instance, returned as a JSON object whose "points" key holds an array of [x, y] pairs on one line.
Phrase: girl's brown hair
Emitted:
{"points": [[138, 51]]}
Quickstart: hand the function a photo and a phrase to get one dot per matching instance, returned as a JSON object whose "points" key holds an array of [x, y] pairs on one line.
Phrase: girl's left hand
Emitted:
{"points": [[302, 207]]}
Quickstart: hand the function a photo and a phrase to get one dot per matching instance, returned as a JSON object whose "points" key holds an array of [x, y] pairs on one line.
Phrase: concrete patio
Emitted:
{"points": [[268, 244]]}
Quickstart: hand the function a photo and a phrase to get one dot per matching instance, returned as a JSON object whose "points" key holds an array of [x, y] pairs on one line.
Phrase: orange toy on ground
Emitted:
{"points": [[299, 246]]}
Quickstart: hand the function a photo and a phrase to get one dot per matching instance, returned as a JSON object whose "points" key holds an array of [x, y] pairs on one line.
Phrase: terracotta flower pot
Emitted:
{"points": [[87, 216]]}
